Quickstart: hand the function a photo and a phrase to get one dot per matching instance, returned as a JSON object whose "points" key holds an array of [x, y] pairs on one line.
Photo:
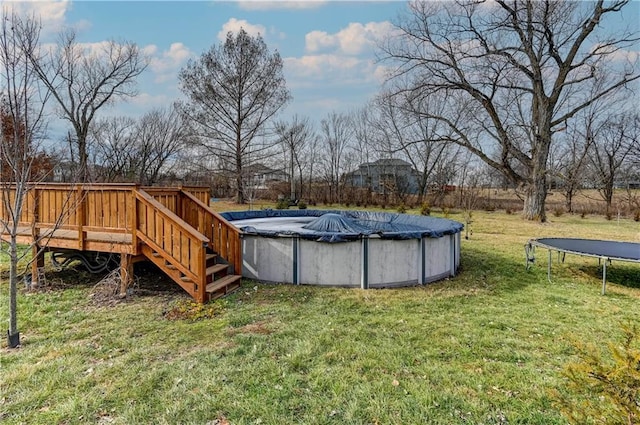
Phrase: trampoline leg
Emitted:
{"points": [[604, 276], [549, 268]]}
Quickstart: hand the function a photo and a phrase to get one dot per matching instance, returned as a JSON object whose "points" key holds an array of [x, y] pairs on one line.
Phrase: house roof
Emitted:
{"points": [[258, 168], [387, 162]]}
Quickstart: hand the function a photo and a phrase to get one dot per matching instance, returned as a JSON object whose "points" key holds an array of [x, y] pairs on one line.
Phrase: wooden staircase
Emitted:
{"points": [[217, 278], [189, 249]]}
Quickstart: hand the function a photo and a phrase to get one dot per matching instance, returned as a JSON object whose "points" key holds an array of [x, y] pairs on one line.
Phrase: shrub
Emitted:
{"points": [[609, 215], [636, 215], [558, 211], [604, 386], [425, 209], [508, 211], [402, 209], [282, 204], [583, 214], [302, 205]]}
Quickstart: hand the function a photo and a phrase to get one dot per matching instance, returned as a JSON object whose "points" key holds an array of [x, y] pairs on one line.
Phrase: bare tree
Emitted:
{"points": [[112, 147], [137, 150], [158, 136], [22, 158], [408, 129], [366, 143], [610, 148], [84, 78], [337, 136], [233, 90], [294, 137], [517, 71], [310, 158], [572, 156]]}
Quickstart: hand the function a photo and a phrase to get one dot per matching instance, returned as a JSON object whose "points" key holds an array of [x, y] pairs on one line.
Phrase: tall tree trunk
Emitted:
{"points": [[534, 201], [569, 199], [536, 190], [239, 184], [239, 174]]}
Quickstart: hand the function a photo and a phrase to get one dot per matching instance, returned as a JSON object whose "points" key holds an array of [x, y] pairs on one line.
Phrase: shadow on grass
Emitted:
{"points": [[148, 279], [620, 273], [485, 269]]}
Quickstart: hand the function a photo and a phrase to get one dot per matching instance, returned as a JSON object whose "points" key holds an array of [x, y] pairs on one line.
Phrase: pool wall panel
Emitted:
{"points": [[267, 259], [330, 264], [437, 258], [393, 262]]}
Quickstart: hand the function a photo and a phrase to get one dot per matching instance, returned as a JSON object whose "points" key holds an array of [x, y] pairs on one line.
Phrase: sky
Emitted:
{"points": [[328, 47]]}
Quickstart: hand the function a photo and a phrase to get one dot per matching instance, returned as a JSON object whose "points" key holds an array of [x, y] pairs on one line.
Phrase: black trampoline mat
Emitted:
{"points": [[629, 251]]}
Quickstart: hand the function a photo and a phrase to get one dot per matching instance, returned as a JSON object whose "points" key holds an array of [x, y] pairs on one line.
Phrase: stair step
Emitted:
{"points": [[170, 266], [224, 281], [211, 256], [216, 268]]}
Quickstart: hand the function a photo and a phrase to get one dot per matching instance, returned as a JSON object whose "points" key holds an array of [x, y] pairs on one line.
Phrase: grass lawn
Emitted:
{"points": [[487, 347]]}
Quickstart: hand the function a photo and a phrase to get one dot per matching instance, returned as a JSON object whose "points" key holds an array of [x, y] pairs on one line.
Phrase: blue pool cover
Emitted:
{"points": [[340, 226]]}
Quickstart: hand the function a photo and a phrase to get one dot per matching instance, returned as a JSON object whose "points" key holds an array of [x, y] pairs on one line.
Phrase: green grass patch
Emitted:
{"points": [[488, 346]]}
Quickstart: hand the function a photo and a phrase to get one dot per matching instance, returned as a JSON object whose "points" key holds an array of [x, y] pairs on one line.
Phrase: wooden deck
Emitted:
{"points": [[172, 227]]}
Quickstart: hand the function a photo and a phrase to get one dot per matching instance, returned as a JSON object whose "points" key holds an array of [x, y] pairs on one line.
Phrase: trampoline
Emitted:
{"points": [[605, 251]]}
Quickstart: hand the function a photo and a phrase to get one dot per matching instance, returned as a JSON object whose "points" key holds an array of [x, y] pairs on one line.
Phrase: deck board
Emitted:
{"points": [[70, 234]]}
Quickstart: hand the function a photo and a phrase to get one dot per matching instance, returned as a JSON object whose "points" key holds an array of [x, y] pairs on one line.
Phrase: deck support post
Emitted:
{"points": [[81, 213], [126, 273], [38, 262]]}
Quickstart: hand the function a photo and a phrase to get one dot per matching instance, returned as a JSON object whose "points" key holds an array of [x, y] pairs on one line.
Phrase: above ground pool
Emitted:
{"points": [[346, 248]]}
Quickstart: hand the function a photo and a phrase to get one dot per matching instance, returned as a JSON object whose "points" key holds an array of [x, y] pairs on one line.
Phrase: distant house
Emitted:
{"points": [[64, 171], [386, 176], [259, 176]]}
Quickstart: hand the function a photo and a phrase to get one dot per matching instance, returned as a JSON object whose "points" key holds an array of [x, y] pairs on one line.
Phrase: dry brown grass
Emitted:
{"points": [[626, 204]]}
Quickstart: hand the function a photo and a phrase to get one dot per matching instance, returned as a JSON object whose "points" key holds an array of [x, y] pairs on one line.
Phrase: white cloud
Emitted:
{"points": [[614, 54], [165, 64], [149, 101], [355, 39], [51, 13], [332, 71], [98, 49], [318, 40], [280, 4], [234, 25], [341, 63], [320, 66]]}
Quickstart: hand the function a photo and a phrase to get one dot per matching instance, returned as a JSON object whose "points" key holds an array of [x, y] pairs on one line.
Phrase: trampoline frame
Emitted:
{"points": [[530, 246]]}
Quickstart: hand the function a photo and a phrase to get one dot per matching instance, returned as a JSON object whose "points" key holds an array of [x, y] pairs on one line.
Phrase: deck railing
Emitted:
{"points": [[224, 237], [105, 207], [174, 240]]}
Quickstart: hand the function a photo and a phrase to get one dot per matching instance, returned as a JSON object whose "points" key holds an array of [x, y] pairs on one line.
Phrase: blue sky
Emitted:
{"points": [[328, 46]]}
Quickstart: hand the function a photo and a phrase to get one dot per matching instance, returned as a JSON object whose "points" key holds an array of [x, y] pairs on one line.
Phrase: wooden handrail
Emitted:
{"points": [[144, 197], [224, 237], [173, 239]]}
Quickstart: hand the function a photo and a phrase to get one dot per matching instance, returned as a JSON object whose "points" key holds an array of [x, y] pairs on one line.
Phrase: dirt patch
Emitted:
{"points": [[256, 328], [107, 291]]}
